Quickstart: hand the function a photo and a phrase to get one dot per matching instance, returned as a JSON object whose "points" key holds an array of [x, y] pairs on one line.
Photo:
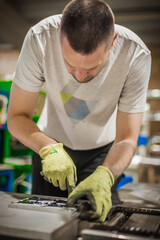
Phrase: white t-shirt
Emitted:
{"points": [[82, 115]]}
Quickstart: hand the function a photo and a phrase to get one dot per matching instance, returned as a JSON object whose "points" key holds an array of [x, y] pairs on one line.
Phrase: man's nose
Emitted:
{"points": [[80, 74]]}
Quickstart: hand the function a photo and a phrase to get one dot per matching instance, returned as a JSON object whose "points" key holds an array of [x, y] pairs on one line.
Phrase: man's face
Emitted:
{"points": [[84, 67]]}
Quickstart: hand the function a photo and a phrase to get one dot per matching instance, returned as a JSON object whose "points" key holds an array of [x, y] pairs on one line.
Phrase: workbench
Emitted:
{"points": [[29, 221]]}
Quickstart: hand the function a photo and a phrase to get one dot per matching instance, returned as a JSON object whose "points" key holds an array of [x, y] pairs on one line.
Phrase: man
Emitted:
{"points": [[96, 76]]}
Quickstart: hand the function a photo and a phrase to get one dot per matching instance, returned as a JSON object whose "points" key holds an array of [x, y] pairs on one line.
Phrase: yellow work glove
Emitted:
{"points": [[97, 188], [57, 166]]}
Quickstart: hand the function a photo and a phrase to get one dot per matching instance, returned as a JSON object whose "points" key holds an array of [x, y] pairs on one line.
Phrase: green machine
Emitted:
{"points": [[13, 152]]}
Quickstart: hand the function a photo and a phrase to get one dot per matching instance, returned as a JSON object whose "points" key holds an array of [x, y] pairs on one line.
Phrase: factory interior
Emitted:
{"points": [[135, 211]]}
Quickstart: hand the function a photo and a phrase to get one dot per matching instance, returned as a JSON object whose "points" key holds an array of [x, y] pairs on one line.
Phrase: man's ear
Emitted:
{"points": [[115, 36]]}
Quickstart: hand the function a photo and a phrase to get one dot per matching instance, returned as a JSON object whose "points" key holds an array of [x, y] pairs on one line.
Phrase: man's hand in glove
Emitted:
{"points": [[97, 188], [57, 166]]}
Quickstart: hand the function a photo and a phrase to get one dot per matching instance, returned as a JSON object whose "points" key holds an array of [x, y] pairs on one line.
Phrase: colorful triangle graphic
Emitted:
{"points": [[65, 97]]}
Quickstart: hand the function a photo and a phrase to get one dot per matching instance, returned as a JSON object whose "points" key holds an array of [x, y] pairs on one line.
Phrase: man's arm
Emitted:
{"points": [[120, 155], [59, 168], [123, 149], [19, 119]]}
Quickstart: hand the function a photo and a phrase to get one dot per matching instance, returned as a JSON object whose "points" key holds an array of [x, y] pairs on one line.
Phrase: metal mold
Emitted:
{"points": [[127, 223]]}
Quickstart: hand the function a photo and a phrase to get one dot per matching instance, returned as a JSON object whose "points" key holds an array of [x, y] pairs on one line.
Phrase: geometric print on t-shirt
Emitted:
{"points": [[76, 109]]}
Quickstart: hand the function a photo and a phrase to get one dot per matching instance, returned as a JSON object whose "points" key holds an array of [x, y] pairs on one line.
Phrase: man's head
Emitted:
{"points": [[86, 34]]}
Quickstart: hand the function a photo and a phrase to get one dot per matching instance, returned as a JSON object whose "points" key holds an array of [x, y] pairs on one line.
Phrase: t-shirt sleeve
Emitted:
{"points": [[134, 92], [29, 72]]}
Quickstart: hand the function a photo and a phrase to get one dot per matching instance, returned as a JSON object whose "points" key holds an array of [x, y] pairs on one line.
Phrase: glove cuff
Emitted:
{"points": [[53, 148], [106, 170]]}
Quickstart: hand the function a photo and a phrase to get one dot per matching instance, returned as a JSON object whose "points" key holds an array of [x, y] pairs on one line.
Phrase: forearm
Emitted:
{"points": [[27, 132], [119, 157]]}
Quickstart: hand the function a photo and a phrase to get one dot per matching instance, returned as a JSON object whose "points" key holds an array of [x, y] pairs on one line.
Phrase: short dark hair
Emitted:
{"points": [[86, 24]]}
